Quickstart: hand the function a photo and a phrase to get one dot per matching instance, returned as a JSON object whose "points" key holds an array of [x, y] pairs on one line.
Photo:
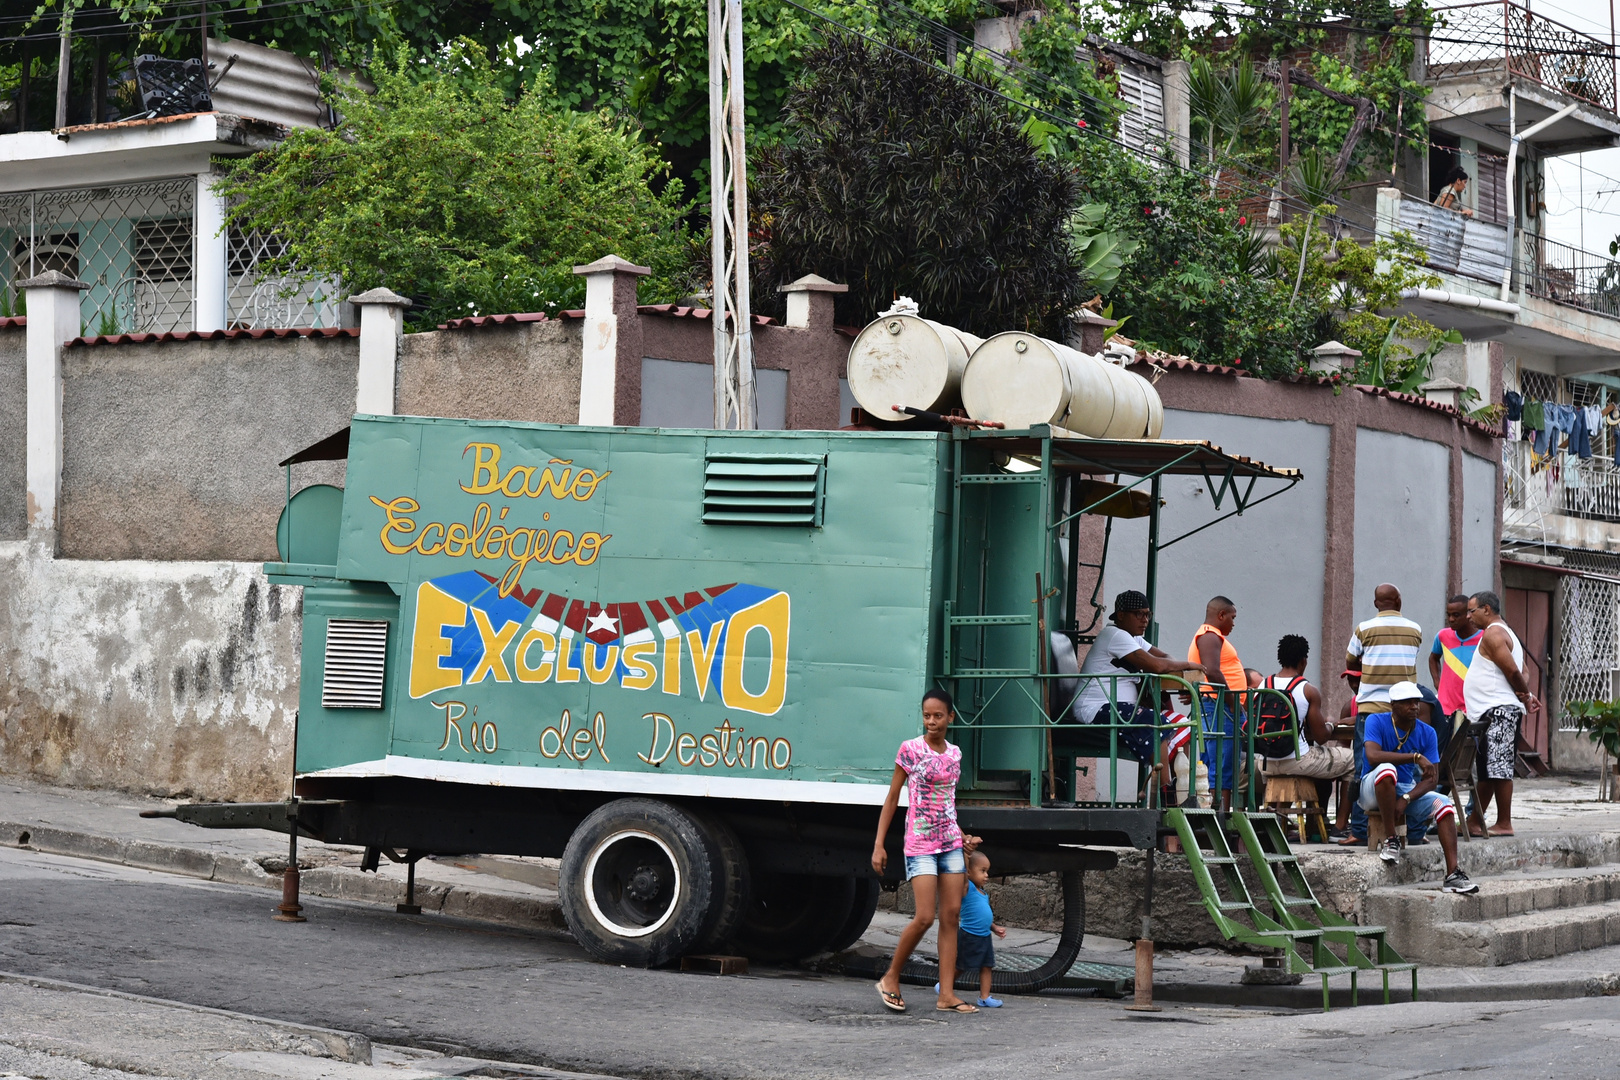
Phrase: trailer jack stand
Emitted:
{"points": [[290, 910], [1144, 979], [410, 906]]}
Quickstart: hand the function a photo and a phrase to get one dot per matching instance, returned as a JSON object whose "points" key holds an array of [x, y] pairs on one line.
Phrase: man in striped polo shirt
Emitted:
{"points": [[1382, 652]]}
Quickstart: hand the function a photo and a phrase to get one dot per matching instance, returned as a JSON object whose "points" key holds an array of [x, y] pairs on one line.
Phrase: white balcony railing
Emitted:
{"points": [[1536, 486]]}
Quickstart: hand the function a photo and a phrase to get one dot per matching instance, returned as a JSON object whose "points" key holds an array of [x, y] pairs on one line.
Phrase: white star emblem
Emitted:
{"points": [[601, 621]]}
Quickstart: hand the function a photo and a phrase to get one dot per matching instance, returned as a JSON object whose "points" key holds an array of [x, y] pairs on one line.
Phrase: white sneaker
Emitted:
{"points": [[1390, 850]]}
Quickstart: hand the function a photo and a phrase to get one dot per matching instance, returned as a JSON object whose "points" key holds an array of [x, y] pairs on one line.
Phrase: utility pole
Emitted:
{"points": [[64, 70], [728, 221]]}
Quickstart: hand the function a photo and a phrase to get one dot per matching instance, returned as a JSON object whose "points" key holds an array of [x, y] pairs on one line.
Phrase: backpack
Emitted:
{"points": [[1274, 717]]}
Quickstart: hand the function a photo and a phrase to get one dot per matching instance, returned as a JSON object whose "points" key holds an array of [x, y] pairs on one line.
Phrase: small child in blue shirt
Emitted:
{"points": [[974, 948]]}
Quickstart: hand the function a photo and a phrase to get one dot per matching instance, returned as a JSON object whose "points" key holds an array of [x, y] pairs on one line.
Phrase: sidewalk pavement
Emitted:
{"points": [[53, 1030], [107, 825]]}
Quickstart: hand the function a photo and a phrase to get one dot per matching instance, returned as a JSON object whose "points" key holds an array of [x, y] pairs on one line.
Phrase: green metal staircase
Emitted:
{"points": [[1226, 897], [1296, 906]]}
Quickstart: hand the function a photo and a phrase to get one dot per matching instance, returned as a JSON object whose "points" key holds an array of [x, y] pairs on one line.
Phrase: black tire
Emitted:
{"points": [[733, 887], [864, 906], [638, 882], [792, 916]]}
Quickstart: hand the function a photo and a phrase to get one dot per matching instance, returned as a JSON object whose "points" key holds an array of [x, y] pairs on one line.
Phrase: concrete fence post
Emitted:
{"points": [[1178, 109], [209, 277], [53, 321], [610, 295], [382, 328], [810, 301]]}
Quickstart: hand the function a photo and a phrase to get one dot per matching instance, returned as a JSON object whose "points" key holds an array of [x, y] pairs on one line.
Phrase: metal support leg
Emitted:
{"points": [[290, 910], [1144, 944], [410, 906]]}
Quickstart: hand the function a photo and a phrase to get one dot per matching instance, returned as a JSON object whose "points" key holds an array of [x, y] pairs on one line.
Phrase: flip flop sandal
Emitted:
{"points": [[1351, 841], [891, 1001], [959, 1007]]}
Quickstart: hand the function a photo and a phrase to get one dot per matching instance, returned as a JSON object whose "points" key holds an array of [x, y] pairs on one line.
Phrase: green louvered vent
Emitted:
{"points": [[763, 489]]}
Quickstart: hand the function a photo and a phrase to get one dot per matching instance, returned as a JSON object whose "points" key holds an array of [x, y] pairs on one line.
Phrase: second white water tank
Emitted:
{"points": [[1020, 379]]}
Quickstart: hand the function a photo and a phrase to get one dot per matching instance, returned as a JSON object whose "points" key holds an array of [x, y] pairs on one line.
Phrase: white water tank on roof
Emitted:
{"points": [[908, 360], [1019, 379]]}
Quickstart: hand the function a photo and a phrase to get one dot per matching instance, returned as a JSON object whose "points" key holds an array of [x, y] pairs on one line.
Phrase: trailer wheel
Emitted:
{"points": [[733, 886], [795, 915], [638, 882], [864, 906]]}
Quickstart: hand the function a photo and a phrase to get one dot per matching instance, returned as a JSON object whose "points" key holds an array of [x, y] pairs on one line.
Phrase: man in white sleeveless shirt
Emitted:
{"points": [[1496, 696]]}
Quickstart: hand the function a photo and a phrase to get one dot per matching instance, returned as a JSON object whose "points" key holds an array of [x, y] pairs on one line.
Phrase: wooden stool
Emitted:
{"points": [[1375, 829], [1295, 797]]}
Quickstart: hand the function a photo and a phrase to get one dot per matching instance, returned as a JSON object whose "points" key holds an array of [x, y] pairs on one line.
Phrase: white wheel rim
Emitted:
{"points": [[595, 858]]}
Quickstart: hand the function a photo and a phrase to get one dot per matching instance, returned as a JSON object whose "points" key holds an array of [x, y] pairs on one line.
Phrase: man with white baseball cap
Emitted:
{"points": [[1400, 778]]}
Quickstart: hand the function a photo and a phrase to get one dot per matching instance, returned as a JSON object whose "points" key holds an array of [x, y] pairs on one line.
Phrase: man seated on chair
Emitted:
{"points": [[1121, 650], [1400, 778], [1315, 754]]}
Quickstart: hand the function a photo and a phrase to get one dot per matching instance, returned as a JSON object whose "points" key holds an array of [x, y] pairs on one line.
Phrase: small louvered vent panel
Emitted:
{"points": [[356, 656], [762, 490]]}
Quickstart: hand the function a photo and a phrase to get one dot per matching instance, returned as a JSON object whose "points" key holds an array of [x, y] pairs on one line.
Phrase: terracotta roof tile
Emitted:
{"points": [[1175, 364], [674, 311], [473, 322], [215, 335], [1423, 402], [667, 311], [13, 321], [1178, 364]]}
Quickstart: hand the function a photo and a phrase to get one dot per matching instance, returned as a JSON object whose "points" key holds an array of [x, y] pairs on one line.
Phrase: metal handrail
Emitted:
{"points": [[1153, 688]]}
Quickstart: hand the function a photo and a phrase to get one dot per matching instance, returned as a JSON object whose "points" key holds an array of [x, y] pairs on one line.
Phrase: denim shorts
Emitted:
{"points": [[946, 862], [974, 952]]}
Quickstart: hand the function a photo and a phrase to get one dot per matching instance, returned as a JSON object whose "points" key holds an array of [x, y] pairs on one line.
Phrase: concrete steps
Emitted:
{"points": [[1514, 917]]}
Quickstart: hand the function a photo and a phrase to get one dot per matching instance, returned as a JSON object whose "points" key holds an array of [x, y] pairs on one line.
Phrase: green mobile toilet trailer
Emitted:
{"points": [[682, 661]]}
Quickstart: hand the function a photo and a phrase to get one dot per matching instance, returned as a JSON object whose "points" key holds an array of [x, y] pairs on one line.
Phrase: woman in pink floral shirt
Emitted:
{"points": [[928, 767]]}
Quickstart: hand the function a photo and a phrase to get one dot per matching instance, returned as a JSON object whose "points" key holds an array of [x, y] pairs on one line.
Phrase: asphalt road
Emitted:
{"points": [[530, 997]]}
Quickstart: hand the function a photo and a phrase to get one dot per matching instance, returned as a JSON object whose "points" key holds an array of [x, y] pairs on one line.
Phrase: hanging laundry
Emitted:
{"points": [[1580, 439], [1515, 404], [1535, 416]]}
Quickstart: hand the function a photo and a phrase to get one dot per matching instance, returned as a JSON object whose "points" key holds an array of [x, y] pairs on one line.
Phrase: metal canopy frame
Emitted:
{"points": [[1058, 462]]}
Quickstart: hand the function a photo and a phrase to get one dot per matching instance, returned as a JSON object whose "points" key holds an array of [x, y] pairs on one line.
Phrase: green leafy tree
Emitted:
{"points": [[440, 188], [901, 179]]}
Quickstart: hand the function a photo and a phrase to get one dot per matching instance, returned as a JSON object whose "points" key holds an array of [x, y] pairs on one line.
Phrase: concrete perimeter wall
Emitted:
{"points": [[170, 449], [167, 678], [520, 371]]}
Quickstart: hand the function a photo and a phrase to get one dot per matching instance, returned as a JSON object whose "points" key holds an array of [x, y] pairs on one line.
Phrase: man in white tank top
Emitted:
{"points": [[1496, 697]]}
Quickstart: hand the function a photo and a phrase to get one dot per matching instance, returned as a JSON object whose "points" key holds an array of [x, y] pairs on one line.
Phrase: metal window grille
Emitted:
{"points": [[136, 247], [1588, 637], [132, 243], [259, 300], [356, 661]]}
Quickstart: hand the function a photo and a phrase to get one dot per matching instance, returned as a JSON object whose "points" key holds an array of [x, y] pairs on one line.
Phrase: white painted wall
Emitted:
{"points": [[1269, 561], [1403, 527]]}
